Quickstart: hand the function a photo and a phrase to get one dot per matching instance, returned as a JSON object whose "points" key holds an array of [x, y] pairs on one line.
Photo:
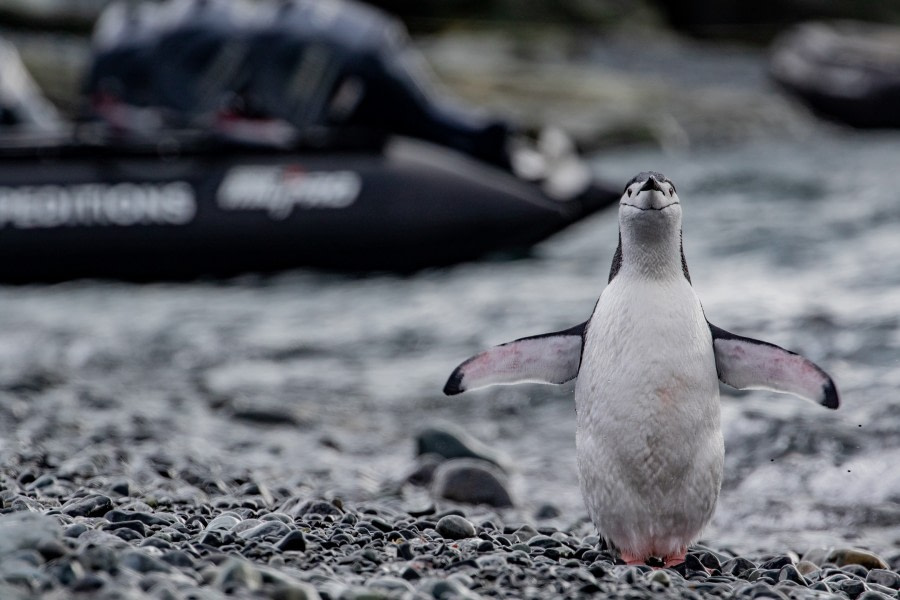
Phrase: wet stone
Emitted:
{"points": [[142, 563], [737, 566], [777, 563], [155, 542], [265, 529], [543, 541], [450, 443], [128, 535], [95, 505], [88, 583], [223, 522], [790, 573], [692, 564], [292, 541], [177, 558], [547, 511], [884, 577], [471, 481], [73, 531], [454, 527], [852, 587], [855, 556], [118, 516], [135, 526], [877, 592], [805, 567], [298, 507], [708, 560]]}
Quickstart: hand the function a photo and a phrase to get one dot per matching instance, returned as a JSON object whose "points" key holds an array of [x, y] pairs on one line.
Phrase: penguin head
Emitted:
{"points": [[650, 207]]}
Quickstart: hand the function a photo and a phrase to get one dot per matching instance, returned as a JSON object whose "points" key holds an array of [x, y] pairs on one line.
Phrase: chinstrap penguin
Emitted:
{"points": [[648, 437]]}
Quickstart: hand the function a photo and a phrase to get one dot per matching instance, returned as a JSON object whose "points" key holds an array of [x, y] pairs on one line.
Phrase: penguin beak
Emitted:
{"points": [[651, 185]]}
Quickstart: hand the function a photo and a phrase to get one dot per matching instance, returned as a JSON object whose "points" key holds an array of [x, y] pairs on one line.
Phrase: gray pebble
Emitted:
{"points": [[264, 529], [292, 541], [225, 522], [94, 505], [454, 527], [790, 573], [235, 573], [142, 562]]}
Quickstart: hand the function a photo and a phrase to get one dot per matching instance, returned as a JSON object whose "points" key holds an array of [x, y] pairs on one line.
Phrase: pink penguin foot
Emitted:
{"points": [[632, 559], [674, 559]]}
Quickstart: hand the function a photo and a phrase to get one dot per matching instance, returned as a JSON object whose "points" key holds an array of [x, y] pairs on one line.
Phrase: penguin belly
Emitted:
{"points": [[649, 442]]}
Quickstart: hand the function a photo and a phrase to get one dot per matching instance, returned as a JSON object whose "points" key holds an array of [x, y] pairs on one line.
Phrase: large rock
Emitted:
{"points": [[451, 442], [471, 481]]}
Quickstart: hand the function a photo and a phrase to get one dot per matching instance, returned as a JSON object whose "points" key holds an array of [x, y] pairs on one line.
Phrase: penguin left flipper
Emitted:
{"points": [[546, 358], [745, 363]]}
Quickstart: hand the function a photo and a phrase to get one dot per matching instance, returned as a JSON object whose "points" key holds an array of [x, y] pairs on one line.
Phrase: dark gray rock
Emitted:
{"points": [[73, 531], [543, 541], [142, 562], [135, 526], [265, 529], [298, 507], [737, 566], [790, 573], [223, 522], [777, 562], [94, 505], [451, 442], [884, 577], [852, 587], [454, 527], [235, 573], [423, 472], [177, 558], [547, 511], [119, 516], [293, 541], [471, 481]]}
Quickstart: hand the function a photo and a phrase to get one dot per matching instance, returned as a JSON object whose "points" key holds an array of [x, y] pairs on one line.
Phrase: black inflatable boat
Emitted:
{"points": [[216, 141], [845, 71], [187, 207]]}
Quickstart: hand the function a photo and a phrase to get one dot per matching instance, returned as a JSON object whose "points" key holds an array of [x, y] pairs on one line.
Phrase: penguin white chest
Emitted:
{"points": [[649, 442]]}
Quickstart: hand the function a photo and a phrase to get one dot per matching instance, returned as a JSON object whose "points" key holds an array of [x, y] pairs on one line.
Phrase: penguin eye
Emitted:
{"points": [[629, 193], [671, 190]]}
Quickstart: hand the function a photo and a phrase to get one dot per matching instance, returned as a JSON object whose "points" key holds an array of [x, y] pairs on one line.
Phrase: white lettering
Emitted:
{"points": [[97, 204], [279, 189]]}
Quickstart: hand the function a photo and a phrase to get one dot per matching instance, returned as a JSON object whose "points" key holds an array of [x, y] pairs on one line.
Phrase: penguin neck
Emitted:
{"points": [[654, 254]]}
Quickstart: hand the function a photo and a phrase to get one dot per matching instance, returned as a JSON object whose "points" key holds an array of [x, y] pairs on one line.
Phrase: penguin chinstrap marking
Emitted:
{"points": [[648, 439]]}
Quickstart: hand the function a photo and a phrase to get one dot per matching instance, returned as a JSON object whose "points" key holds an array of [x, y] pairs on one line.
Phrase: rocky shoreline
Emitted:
{"points": [[171, 530]]}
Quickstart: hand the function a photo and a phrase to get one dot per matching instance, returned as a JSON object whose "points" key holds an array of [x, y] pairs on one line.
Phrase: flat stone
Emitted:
{"points": [[94, 505], [855, 556]]}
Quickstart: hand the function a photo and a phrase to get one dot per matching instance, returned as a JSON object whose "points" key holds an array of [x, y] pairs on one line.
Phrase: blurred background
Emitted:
{"points": [[775, 121]]}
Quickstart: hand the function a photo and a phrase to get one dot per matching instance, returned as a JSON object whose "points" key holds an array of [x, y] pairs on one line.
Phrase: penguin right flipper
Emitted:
{"points": [[745, 363], [546, 358]]}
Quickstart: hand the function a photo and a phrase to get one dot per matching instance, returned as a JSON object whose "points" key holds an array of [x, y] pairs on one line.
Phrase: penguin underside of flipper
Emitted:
{"points": [[555, 358]]}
